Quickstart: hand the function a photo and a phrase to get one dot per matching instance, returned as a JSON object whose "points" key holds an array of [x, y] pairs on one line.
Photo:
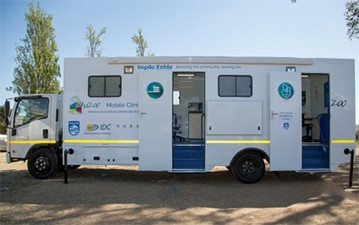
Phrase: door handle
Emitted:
{"points": [[45, 133], [142, 113], [273, 114]]}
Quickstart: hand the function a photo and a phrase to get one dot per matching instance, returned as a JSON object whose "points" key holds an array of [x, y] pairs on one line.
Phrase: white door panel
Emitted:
{"points": [[285, 121], [155, 121]]}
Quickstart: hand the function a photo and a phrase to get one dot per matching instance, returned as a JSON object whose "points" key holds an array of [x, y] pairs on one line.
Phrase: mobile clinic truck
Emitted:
{"points": [[190, 114]]}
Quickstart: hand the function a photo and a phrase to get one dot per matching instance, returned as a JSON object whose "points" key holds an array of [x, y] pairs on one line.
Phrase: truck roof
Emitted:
{"points": [[207, 60], [202, 60]]}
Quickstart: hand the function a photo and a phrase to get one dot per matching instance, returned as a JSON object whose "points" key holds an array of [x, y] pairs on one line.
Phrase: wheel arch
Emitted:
{"points": [[260, 152], [52, 148]]}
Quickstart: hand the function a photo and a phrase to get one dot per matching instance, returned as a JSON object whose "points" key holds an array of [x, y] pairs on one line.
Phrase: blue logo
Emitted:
{"points": [[286, 126], [286, 90], [74, 127], [155, 90]]}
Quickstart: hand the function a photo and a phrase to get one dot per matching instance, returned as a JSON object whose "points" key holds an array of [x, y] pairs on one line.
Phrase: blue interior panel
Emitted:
{"points": [[315, 157], [188, 156]]}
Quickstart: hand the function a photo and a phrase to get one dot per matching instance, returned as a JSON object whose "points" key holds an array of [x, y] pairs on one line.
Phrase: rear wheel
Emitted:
{"points": [[42, 164], [248, 167]]}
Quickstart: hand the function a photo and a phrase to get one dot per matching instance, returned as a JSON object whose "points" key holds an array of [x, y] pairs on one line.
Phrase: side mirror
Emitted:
{"points": [[7, 112], [7, 108]]}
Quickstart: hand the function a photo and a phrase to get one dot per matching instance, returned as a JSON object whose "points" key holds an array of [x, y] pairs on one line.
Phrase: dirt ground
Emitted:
{"points": [[122, 195]]}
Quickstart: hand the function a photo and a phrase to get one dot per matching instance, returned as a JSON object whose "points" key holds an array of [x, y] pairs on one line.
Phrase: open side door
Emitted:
{"points": [[155, 121], [285, 121]]}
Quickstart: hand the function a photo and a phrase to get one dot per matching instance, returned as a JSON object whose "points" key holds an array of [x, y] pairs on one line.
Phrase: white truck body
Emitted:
{"points": [[189, 114]]}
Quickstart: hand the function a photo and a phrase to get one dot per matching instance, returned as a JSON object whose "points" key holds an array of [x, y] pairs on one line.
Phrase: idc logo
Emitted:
{"points": [[91, 127], [101, 127]]}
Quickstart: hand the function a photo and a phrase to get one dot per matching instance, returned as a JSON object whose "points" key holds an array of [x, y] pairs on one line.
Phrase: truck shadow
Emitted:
{"points": [[216, 189], [91, 191]]}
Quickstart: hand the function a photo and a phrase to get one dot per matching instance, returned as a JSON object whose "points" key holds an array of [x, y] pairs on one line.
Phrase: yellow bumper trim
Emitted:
{"points": [[27, 142], [343, 141]]}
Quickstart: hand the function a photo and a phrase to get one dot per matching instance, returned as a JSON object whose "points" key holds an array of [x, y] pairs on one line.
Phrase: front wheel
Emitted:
{"points": [[42, 164], [248, 167]]}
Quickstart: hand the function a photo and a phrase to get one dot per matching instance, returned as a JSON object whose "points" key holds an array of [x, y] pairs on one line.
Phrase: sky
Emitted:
{"points": [[278, 28]]}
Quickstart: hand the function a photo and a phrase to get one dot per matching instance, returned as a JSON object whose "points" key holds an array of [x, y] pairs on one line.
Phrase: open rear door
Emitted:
{"points": [[155, 120], [285, 121]]}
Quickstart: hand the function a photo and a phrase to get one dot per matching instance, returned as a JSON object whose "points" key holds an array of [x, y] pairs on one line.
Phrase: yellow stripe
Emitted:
{"points": [[74, 141], [343, 141], [238, 142], [23, 142]]}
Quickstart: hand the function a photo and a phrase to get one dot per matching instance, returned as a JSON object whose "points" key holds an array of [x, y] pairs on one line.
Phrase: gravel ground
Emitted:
{"points": [[123, 195]]}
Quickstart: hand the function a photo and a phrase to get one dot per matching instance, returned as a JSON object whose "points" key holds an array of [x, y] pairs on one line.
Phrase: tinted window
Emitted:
{"points": [[104, 86], [235, 86]]}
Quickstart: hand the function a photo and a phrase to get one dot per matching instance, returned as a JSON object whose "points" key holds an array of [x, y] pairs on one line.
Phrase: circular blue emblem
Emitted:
{"points": [[286, 90], [74, 127], [155, 90]]}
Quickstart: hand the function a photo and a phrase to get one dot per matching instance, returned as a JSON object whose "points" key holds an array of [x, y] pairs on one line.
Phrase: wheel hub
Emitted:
{"points": [[248, 167], [41, 163]]}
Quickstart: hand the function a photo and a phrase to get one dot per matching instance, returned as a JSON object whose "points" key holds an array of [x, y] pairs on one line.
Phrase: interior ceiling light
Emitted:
{"points": [[185, 75]]}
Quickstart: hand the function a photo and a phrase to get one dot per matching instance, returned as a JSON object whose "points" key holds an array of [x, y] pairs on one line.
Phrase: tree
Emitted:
{"points": [[352, 18], [37, 63], [141, 43], [94, 41]]}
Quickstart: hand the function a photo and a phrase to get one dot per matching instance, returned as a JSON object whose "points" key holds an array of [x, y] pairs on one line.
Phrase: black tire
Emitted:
{"points": [[42, 164], [248, 167]]}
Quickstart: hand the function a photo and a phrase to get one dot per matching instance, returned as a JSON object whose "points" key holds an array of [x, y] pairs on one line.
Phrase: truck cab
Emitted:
{"points": [[34, 129]]}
